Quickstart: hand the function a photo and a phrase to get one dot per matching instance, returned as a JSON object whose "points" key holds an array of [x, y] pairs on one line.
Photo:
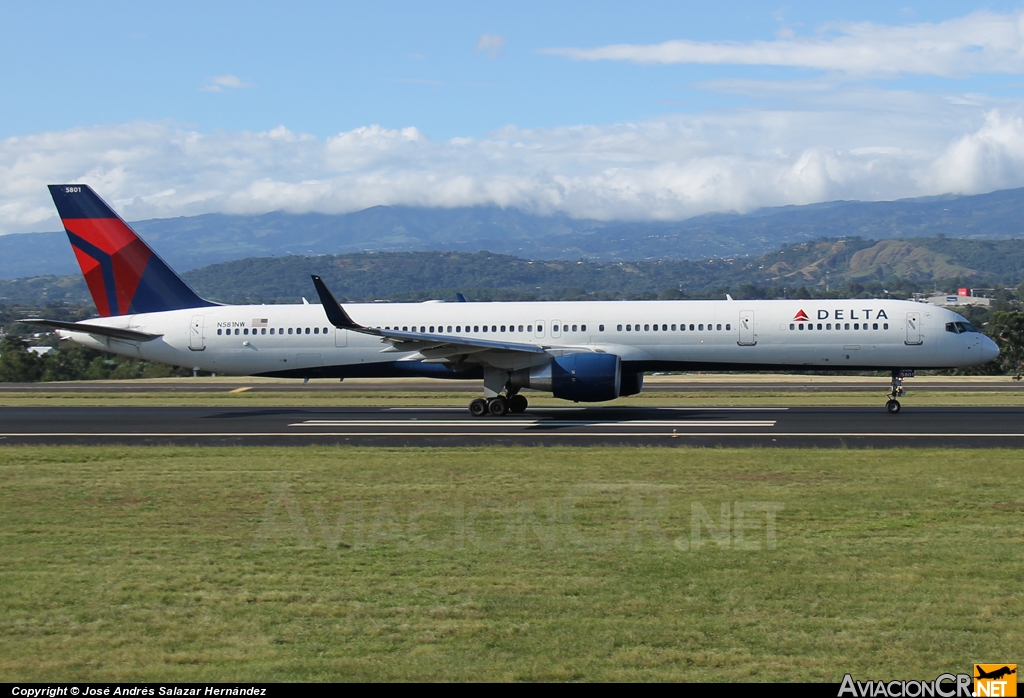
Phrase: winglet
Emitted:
{"points": [[459, 298], [335, 313]]}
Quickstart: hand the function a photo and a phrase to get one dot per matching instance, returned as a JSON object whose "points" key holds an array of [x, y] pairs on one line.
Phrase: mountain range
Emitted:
{"points": [[198, 241], [849, 266]]}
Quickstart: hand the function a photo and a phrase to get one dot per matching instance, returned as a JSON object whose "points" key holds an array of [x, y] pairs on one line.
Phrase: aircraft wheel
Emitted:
{"points": [[497, 406], [478, 408], [517, 404], [893, 406]]}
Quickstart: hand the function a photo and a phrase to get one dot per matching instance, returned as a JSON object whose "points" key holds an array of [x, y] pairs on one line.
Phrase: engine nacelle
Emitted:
{"points": [[585, 377], [631, 384]]}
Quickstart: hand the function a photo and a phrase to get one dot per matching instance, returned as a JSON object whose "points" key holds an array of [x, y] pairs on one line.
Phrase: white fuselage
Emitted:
{"points": [[298, 340]]}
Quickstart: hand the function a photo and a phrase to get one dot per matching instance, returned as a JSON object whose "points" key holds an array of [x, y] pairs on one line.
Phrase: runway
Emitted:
{"points": [[852, 427]]}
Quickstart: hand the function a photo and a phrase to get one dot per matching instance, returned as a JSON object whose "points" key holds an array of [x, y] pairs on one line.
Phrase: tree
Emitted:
{"points": [[1007, 329], [17, 363]]}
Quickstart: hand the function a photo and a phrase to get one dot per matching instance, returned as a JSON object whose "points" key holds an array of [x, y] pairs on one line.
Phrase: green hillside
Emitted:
{"points": [[197, 241], [825, 267]]}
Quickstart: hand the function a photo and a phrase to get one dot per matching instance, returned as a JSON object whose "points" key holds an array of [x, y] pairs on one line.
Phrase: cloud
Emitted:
{"points": [[220, 83], [490, 44], [667, 169], [979, 43]]}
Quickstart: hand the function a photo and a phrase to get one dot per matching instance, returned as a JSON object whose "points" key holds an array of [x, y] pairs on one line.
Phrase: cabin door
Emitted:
{"points": [[747, 338], [914, 328], [196, 340]]}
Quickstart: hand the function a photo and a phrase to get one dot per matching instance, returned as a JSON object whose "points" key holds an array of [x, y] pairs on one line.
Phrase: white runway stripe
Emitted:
{"points": [[560, 434], [514, 423]]}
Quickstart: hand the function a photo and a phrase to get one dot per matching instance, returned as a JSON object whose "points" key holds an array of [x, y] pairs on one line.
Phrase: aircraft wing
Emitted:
{"points": [[430, 346], [99, 330]]}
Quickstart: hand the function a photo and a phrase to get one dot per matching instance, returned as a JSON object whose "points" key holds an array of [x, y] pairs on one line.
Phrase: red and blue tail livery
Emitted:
{"points": [[124, 275]]}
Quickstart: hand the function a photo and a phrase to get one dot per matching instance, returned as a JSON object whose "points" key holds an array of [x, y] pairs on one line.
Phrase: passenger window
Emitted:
{"points": [[700, 328], [245, 331], [618, 328], [574, 328], [220, 331], [819, 325], [828, 326], [856, 325], [629, 328], [718, 327], [647, 328], [529, 328], [792, 326], [885, 325], [476, 328], [485, 328], [316, 330], [673, 327], [874, 326], [449, 328], [494, 328], [728, 327], [664, 328], [800, 326], [583, 328], [458, 328], [520, 328], [289, 330], [263, 331], [691, 328]]}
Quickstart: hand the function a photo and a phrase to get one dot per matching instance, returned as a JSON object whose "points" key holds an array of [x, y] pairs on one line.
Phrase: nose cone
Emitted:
{"points": [[989, 349]]}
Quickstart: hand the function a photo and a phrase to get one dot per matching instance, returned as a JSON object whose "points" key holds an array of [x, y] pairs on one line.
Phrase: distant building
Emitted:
{"points": [[963, 296], [40, 350]]}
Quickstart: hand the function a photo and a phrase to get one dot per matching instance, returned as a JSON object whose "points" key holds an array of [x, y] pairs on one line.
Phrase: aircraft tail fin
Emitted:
{"points": [[123, 273]]}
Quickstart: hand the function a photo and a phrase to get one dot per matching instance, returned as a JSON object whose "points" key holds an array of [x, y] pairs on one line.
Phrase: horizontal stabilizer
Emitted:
{"points": [[99, 330]]}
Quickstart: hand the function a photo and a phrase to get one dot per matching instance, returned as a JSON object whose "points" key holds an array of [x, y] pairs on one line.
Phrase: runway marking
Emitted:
{"points": [[532, 423], [591, 434], [576, 409]]}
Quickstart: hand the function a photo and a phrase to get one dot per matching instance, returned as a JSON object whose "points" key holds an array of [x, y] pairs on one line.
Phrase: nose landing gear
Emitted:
{"points": [[896, 390]]}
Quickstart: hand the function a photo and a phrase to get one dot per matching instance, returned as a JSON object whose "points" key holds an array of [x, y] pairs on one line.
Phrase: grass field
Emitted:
{"points": [[501, 563]]}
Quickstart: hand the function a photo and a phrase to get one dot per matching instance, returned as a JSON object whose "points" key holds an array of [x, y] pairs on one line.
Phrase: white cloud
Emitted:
{"points": [[673, 168], [978, 43], [490, 44], [219, 83]]}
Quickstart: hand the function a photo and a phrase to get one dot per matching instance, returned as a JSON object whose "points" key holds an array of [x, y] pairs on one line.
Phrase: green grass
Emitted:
{"points": [[877, 398], [203, 564]]}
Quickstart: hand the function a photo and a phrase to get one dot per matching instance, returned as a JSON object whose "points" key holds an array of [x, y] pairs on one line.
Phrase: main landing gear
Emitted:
{"points": [[498, 406], [896, 390]]}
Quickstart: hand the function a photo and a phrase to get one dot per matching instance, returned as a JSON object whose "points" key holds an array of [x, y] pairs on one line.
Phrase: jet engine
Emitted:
{"points": [[585, 377]]}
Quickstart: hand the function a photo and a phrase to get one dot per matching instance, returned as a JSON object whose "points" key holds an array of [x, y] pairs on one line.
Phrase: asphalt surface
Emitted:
{"points": [[853, 427]]}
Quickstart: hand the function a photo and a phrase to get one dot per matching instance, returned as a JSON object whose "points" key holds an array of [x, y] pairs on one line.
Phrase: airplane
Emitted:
{"points": [[582, 351]]}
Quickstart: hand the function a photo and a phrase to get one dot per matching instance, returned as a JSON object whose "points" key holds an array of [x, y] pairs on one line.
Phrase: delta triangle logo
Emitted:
{"points": [[801, 316]]}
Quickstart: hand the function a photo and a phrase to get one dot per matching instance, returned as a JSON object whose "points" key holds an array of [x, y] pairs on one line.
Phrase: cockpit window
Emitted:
{"points": [[959, 327]]}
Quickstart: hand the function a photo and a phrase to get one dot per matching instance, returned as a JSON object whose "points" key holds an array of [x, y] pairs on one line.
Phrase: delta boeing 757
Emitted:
{"points": [[587, 351]]}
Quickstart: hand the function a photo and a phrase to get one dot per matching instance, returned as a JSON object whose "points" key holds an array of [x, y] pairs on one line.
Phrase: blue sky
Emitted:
{"points": [[611, 110]]}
